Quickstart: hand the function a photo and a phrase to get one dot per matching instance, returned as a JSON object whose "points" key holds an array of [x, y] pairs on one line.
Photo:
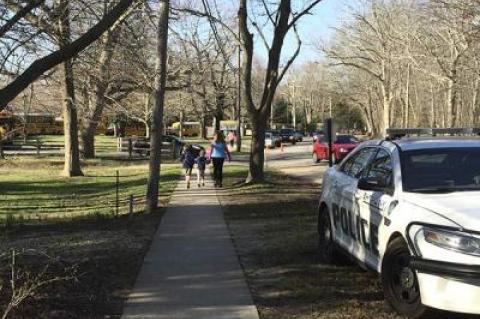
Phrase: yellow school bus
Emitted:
{"points": [[188, 128]]}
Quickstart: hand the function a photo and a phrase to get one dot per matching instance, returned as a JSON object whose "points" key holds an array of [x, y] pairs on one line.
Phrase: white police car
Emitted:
{"points": [[410, 210]]}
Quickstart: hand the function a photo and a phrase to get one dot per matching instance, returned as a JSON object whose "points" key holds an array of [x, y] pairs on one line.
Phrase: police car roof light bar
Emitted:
{"points": [[397, 133]]}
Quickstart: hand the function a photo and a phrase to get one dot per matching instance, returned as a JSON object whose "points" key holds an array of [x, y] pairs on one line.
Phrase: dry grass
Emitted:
{"points": [[273, 226]]}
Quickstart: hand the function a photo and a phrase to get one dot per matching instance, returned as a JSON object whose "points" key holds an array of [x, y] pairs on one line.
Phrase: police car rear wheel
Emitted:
{"points": [[326, 245], [400, 284]]}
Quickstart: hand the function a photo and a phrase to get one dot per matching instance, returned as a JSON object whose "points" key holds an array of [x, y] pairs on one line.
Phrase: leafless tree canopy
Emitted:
{"points": [[410, 63]]}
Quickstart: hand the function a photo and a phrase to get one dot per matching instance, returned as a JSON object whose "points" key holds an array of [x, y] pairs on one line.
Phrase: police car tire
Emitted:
{"points": [[327, 248], [315, 158], [396, 258]]}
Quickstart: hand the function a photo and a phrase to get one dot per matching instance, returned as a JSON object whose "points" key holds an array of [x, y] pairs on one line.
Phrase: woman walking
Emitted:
{"points": [[218, 153]]}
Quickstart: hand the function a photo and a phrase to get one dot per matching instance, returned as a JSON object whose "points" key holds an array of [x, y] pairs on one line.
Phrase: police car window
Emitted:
{"points": [[381, 168], [441, 169], [356, 164]]}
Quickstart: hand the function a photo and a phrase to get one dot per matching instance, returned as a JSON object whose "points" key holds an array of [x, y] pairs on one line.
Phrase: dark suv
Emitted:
{"points": [[288, 135]]}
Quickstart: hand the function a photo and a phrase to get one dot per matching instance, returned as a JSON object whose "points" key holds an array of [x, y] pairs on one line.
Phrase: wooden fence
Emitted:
{"points": [[138, 145]]}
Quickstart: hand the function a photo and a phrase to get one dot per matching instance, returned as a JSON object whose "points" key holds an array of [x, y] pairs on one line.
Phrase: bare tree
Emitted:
{"points": [[282, 20], [157, 118], [43, 64]]}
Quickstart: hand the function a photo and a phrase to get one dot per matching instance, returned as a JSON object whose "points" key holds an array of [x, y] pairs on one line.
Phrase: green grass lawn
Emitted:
{"points": [[42, 193], [79, 234]]}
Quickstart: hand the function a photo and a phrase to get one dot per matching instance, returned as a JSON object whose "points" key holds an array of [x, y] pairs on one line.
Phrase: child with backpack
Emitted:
{"points": [[188, 159], [202, 162]]}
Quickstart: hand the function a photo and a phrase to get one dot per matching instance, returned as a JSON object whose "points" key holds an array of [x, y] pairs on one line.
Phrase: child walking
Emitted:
{"points": [[188, 159], [201, 161]]}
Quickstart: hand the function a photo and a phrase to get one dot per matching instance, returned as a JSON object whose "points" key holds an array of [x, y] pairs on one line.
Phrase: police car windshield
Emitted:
{"points": [[441, 170]]}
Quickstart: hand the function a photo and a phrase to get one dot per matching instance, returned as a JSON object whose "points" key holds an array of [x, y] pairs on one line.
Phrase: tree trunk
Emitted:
{"points": [[475, 106], [95, 111], [147, 115], [203, 127], [257, 156], [157, 120], [367, 118], [220, 104], [218, 119], [147, 130], [259, 117], [70, 120], [433, 118], [406, 122], [451, 96], [385, 118]]}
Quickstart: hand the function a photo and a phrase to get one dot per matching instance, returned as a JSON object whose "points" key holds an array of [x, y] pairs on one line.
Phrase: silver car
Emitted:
{"points": [[272, 140]]}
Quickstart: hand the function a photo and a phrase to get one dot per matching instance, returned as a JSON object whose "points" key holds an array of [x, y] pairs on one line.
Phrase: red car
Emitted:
{"points": [[343, 145]]}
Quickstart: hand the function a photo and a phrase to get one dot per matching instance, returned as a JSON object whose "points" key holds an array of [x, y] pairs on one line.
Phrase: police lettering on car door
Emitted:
{"points": [[356, 228], [350, 223]]}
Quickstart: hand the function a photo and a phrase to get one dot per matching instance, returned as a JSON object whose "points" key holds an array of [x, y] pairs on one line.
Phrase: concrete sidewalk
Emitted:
{"points": [[191, 270]]}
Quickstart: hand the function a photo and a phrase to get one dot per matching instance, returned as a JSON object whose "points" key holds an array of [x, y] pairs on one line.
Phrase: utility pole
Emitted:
{"points": [[330, 106], [239, 101], [180, 133], [294, 108], [323, 111]]}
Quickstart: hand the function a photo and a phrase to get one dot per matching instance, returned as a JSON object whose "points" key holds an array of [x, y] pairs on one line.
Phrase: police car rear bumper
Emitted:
{"points": [[448, 286]]}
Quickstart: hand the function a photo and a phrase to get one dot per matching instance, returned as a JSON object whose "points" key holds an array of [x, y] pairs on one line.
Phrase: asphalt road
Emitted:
{"points": [[294, 160]]}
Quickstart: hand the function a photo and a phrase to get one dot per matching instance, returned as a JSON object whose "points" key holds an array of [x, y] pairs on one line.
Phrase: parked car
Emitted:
{"points": [[298, 135], [269, 140], [288, 135], [277, 138], [342, 145], [141, 144], [409, 210]]}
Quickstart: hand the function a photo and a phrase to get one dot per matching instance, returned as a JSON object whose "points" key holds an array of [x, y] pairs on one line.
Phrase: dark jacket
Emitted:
{"points": [[201, 162], [188, 158]]}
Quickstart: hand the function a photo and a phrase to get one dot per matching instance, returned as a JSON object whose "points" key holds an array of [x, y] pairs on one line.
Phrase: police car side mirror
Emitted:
{"points": [[371, 184]]}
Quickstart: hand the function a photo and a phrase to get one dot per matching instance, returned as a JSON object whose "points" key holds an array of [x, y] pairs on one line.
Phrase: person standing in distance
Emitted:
{"points": [[218, 153]]}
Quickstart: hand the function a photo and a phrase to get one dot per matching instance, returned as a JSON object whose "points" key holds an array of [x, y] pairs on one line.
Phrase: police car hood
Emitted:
{"points": [[463, 208]]}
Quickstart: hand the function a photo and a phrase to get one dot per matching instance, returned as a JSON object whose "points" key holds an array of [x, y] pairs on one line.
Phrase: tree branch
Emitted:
{"points": [[38, 67]]}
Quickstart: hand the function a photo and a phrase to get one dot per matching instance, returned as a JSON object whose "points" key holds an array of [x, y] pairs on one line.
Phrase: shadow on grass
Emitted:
{"points": [[107, 253], [274, 230], [24, 196], [234, 178]]}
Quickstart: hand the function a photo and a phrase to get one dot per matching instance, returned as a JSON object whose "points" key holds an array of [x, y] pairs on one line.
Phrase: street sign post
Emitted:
{"points": [[330, 136]]}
